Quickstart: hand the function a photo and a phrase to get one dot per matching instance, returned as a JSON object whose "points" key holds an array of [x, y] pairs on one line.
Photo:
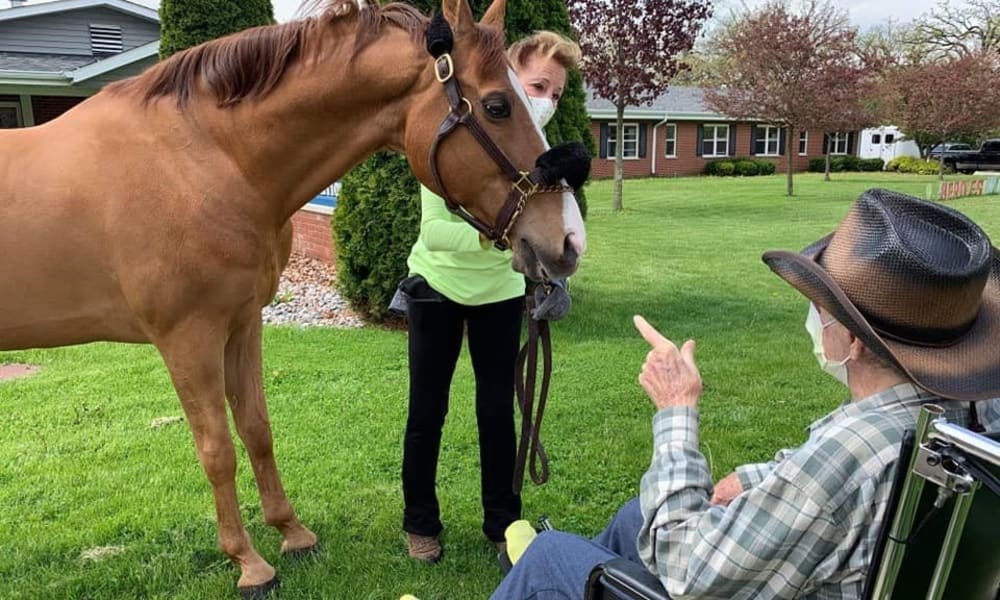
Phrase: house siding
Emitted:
{"points": [[687, 161], [69, 32]]}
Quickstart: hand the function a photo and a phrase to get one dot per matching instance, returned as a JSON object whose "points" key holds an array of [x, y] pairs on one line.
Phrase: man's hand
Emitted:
{"points": [[669, 376], [726, 489]]}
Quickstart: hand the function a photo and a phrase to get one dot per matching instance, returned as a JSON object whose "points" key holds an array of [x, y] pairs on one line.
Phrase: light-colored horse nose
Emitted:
{"points": [[572, 248]]}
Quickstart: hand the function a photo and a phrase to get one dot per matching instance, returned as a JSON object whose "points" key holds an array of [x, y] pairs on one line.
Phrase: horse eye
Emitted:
{"points": [[496, 107]]}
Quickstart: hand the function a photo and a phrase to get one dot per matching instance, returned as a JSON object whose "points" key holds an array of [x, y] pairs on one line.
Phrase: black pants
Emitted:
{"points": [[436, 329]]}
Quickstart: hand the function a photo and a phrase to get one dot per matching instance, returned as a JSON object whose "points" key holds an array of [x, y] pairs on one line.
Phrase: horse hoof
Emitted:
{"points": [[300, 553], [262, 591]]}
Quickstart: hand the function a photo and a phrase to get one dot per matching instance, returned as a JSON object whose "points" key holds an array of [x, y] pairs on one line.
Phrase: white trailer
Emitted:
{"points": [[886, 142]]}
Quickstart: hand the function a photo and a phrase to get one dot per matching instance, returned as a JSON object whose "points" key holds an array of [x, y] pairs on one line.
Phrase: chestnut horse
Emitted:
{"points": [[158, 210]]}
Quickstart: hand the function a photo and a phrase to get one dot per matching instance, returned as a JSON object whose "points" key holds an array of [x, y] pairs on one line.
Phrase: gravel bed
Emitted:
{"points": [[308, 297]]}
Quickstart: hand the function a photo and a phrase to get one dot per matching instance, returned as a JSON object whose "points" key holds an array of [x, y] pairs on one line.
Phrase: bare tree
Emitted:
{"points": [[630, 52], [954, 31]]}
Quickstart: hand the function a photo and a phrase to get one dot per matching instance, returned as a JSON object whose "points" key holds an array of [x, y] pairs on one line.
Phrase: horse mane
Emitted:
{"points": [[250, 64]]}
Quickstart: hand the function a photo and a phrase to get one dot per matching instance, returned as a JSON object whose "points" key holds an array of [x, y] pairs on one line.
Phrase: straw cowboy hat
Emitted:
{"points": [[917, 282]]}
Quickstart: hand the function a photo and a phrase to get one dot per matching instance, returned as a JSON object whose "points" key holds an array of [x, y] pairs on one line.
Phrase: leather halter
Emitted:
{"points": [[524, 184]]}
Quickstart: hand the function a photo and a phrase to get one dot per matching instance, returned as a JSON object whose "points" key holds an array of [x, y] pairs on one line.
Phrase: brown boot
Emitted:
{"points": [[424, 547]]}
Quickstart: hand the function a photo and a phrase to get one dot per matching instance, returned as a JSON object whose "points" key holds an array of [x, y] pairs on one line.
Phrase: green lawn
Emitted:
{"points": [[80, 467]]}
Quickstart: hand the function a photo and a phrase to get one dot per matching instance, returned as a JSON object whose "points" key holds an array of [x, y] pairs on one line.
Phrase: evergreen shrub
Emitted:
{"points": [[375, 224]]}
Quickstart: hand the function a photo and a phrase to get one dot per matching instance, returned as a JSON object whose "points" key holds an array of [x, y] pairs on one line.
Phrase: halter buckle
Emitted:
{"points": [[444, 68]]}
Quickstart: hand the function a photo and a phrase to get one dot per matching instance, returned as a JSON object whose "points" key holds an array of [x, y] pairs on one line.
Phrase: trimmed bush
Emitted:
{"points": [[374, 226], [871, 164], [909, 164], [817, 165], [747, 168], [839, 164]]}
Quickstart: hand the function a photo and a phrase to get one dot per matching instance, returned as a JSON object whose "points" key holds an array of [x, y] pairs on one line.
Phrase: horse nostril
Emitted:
{"points": [[572, 248]]}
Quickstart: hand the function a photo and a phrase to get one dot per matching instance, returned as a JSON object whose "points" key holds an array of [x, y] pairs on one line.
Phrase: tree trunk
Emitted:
{"points": [[826, 168], [619, 161], [788, 155], [941, 162]]}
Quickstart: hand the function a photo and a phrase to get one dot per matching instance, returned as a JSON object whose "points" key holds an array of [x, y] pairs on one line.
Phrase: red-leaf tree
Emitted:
{"points": [[948, 98], [631, 50], [847, 95], [796, 71]]}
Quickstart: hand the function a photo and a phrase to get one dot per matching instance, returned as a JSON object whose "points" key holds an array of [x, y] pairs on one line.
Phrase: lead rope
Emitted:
{"points": [[526, 368]]}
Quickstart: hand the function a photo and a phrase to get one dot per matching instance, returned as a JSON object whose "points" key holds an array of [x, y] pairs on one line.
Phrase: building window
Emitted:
{"points": [[716, 141], [876, 138], [10, 115], [803, 142], [105, 39], [837, 143], [630, 149], [671, 143], [767, 141], [889, 138]]}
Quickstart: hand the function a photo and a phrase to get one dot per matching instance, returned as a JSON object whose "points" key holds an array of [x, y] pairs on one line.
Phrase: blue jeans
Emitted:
{"points": [[556, 565]]}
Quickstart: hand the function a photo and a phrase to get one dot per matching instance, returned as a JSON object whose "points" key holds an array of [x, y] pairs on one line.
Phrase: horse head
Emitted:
{"points": [[471, 139]]}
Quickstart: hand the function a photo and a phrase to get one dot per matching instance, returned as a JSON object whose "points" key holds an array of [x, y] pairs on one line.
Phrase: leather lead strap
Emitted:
{"points": [[530, 444]]}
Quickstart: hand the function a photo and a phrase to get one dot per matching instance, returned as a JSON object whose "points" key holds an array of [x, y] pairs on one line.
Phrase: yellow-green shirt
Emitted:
{"points": [[449, 255]]}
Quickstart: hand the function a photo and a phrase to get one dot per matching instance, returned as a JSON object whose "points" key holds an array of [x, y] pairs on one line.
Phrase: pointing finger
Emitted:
{"points": [[649, 333]]}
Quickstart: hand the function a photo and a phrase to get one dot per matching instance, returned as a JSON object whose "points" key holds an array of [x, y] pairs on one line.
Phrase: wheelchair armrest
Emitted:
{"points": [[626, 579]]}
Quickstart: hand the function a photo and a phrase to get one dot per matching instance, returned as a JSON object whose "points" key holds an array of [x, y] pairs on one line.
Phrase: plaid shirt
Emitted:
{"points": [[802, 526]]}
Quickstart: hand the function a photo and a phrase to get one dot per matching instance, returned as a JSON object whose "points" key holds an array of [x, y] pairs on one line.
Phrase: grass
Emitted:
{"points": [[81, 468]]}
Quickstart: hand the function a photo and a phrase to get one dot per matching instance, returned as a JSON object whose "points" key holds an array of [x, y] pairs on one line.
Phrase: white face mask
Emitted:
{"points": [[815, 327], [541, 109]]}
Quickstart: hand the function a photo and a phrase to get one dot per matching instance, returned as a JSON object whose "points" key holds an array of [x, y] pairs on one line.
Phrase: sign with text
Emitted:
{"points": [[949, 190]]}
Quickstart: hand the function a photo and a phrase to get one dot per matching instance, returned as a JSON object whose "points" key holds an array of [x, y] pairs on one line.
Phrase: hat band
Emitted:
{"points": [[920, 336]]}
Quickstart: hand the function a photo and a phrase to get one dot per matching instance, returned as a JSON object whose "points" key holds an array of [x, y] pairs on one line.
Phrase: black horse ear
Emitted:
{"points": [[440, 39], [569, 161]]}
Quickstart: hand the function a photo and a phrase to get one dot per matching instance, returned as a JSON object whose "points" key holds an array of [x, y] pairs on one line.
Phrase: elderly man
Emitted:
{"points": [[904, 310]]}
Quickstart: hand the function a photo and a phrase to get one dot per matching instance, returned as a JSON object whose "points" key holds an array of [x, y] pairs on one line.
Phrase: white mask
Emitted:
{"points": [[815, 327], [541, 109]]}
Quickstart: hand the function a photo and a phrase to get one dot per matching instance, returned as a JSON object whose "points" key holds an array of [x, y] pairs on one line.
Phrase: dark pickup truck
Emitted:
{"points": [[986, 159]]}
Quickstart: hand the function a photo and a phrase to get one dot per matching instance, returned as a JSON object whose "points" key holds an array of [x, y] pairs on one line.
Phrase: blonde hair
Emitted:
{"points": [[545, 44]]}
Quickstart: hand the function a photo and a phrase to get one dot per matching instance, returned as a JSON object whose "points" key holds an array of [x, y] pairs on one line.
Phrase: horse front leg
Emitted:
{"points": [[194, 353], [245, 391]]}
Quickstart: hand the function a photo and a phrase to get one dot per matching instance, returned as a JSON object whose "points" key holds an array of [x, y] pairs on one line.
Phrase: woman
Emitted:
{"points": [[461, 282]]}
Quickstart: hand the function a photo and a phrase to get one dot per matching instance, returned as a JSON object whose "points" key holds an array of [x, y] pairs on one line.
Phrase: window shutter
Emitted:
{"points": [[826, 143], [699, 148], [604, 140], [732, 139], [781, 141], [850, 142], [642, 140], [755, 145]]}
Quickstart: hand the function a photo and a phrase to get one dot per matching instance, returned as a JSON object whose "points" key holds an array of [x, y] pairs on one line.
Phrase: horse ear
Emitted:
{"points": [[494, 15], [459, 14]]}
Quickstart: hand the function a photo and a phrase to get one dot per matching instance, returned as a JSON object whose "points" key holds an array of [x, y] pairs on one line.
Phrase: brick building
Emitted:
{"points": [[678, 135]]}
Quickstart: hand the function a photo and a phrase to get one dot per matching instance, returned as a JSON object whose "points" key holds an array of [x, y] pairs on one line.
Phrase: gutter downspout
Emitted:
{"points": [[663, 122]]}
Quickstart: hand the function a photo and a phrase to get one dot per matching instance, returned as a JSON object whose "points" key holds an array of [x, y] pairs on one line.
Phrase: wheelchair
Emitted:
{"points": [[940, 537]]}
